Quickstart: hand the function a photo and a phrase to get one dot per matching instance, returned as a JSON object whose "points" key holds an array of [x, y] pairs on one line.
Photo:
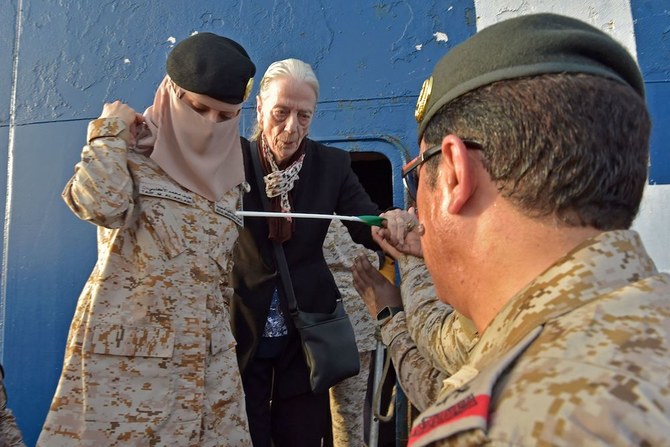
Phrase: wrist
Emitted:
{"points": [[387, 313], [107, 127]]}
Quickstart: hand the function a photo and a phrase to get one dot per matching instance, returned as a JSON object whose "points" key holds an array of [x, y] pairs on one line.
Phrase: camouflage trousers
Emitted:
{"points": [[347, 402]]}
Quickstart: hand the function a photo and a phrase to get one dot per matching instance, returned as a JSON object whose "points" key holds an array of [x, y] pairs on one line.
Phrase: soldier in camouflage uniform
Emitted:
{"points": [[419, 371], [150, 356], [534, 153], [347, 399]]}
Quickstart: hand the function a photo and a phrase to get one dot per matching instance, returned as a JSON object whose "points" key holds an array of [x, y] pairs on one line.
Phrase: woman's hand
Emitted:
{"points": [[400, 234], [126, 113]]}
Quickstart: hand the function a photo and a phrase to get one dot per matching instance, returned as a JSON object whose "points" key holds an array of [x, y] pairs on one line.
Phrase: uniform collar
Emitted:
{"points": [[594, 268]]}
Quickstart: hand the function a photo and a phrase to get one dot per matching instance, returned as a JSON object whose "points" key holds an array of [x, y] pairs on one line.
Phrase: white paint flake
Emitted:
{"points": [[441, 37]]}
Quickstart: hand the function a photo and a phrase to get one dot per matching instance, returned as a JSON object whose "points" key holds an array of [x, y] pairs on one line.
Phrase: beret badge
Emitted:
{"points": [[247, 90], [424, 96]]}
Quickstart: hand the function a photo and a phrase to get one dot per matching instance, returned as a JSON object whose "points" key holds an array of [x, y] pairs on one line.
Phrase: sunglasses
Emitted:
{"points": [[410, 172]]}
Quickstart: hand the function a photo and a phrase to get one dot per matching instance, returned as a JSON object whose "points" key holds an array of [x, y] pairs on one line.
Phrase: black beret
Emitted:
{"points": [[525, 46], [212, 65]]}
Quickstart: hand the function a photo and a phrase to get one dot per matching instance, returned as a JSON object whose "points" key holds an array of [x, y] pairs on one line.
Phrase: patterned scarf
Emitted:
{"points": [[278, 186]]}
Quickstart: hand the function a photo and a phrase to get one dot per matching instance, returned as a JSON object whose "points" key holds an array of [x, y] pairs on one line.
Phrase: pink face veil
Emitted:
{"points": [[203, 156]]}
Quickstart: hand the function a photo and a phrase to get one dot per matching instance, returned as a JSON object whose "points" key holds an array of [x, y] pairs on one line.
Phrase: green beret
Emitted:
{"points": [[524, 46], [212, 65]]}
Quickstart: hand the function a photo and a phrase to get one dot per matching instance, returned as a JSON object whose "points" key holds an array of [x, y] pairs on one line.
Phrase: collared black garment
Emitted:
{"points": [[326, 185]]}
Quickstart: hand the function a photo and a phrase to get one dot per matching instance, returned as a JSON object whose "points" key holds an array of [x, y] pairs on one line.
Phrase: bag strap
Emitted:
{"points": [[280, 257]]}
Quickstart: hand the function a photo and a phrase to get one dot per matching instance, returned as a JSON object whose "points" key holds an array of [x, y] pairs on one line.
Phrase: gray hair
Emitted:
{"points": [[286, 68]]}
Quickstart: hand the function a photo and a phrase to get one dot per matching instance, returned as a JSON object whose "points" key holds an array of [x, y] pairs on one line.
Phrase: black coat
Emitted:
{"points": [[326, 185]]}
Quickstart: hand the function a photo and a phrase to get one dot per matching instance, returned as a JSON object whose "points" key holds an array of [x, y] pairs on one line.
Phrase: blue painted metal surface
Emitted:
{"points": [[371, 58], [652, 35]]}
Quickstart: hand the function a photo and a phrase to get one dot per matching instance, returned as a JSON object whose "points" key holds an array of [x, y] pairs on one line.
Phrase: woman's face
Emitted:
{"points": [[284, 115], [213, 110]]}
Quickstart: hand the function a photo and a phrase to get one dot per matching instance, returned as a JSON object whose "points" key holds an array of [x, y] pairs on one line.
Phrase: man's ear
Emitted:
{"points": [[458, 172]]}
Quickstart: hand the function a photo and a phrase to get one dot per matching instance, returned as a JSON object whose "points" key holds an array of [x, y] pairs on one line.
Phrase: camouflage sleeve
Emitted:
{"points": [[10, 435], [417, 377], [101, 189], [442, 335]]}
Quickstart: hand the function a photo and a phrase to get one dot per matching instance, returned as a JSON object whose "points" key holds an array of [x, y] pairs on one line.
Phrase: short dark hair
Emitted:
{"points": [[575, 146]]}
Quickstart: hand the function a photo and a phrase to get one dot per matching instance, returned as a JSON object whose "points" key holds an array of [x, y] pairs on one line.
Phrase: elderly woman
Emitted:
{"points": [[150, 356], [299, 175]]}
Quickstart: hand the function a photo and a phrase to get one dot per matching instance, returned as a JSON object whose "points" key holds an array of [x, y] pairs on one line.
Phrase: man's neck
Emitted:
{"points": [[517, 253]]}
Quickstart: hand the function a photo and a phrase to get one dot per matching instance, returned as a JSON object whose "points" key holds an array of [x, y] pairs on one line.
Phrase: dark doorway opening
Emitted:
{"points": [[374, 172]]}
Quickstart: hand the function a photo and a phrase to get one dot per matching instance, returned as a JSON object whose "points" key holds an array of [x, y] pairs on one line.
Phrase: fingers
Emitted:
{"points": [[385, 245], [376, 291], [395, 225], [368, 275], [119, 110], [362, 271], [363, 283], [398, 224], [412, 212], [399, 234]]}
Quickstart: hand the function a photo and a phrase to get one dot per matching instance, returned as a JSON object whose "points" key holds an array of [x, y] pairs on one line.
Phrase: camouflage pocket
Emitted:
{"points": [[162, 225], [222, 340], [143, 341], [128, 374]]}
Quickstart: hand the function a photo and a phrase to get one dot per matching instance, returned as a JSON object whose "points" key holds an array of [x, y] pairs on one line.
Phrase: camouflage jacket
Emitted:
{"points": [[149, 357], [339, 250], [10, 434], [429, 341], [581, 356]]}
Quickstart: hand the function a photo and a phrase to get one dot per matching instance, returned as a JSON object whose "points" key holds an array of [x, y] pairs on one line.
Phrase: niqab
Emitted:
{"points": [[203, 156]]}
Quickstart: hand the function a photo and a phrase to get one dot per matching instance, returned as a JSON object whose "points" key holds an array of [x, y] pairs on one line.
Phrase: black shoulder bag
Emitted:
{"points": [[328, 339]]}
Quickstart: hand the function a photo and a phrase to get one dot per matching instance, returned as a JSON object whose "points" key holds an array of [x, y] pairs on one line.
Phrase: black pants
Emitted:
{"points": [[302, 420]]}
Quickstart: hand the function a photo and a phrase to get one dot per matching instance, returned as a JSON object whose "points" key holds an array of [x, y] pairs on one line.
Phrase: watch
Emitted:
{"points": [[385, 315]]}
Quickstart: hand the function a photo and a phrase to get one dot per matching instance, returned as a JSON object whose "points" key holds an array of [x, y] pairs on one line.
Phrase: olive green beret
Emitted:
{"points": [[524, 46], [212, 65]]}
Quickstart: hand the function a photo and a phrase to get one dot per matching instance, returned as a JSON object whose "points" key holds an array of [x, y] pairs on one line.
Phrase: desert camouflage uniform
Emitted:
{"points": [[580, 357], [10, 435], [347, 399], [429, 341], [150, 357]]}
